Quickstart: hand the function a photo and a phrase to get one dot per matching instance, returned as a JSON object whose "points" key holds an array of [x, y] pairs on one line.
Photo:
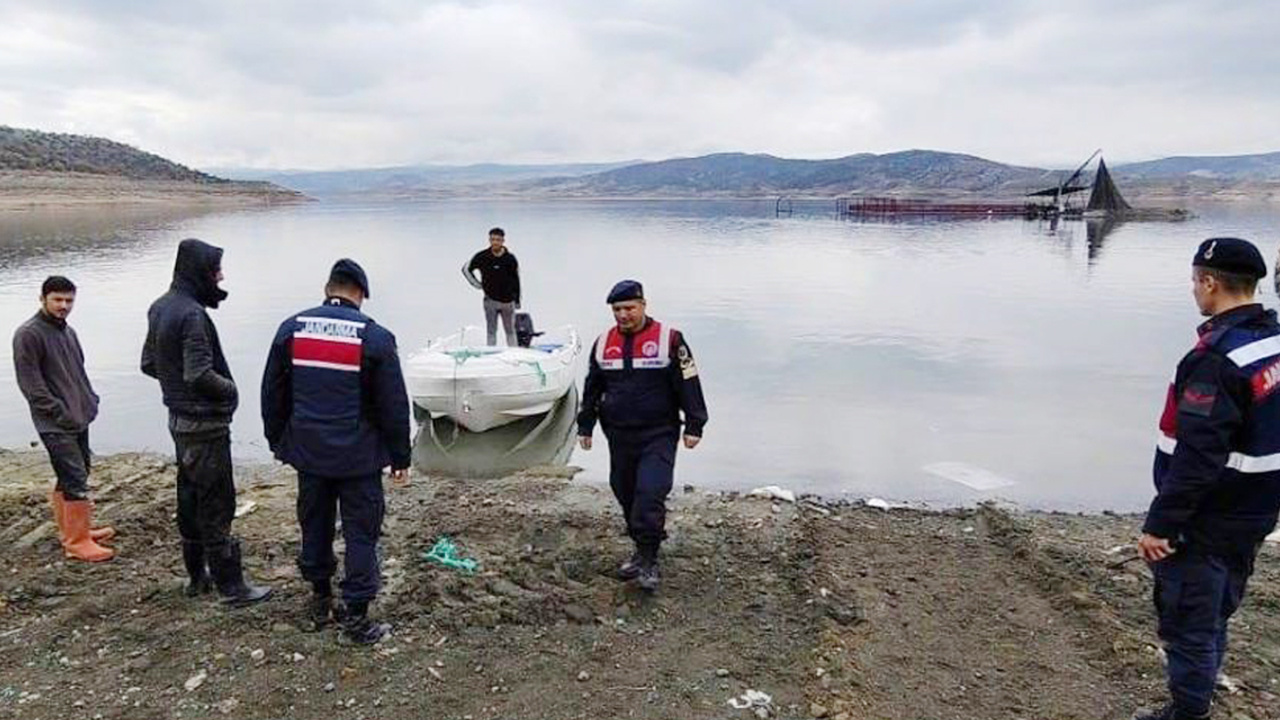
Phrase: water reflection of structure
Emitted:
{"points": [[1098, 231]]}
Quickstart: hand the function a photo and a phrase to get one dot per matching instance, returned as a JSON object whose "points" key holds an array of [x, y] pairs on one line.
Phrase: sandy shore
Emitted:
{"points": [[832, 610], [27, 190]]}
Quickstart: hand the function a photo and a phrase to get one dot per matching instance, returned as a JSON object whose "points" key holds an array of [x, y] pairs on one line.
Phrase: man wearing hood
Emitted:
{"points": [[182, 352]]}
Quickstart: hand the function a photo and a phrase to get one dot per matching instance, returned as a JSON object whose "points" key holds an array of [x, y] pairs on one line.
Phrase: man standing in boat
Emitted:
{"points": [[50, 367], [1217, 472], [334, 407], [641, 377], [500, 281]]}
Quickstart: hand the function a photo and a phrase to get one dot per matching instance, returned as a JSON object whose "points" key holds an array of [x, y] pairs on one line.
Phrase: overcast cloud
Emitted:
{"points": [[326, 84]]}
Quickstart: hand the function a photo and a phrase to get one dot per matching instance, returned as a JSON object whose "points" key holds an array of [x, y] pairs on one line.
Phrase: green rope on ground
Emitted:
{"points": [[446, 553]]}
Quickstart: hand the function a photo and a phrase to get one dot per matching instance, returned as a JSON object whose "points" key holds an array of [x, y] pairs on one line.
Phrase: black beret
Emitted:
{"points": [[626, 290], [1231, 255], [347, 270]]}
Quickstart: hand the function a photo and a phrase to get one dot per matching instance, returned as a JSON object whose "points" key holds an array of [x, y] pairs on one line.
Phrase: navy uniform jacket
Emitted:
{"points": [[333, 397], [1217, 467], [642, 381]]}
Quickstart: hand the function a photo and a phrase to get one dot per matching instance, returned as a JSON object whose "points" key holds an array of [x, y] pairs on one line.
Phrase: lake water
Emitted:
{"points": [[874, 359]]}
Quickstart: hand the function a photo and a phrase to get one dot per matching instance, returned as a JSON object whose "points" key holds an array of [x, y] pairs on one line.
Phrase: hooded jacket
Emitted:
{"points": [[182, 350]]}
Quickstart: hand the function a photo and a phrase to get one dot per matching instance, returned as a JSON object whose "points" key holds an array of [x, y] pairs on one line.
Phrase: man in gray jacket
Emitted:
{"points": [[50, 367]]}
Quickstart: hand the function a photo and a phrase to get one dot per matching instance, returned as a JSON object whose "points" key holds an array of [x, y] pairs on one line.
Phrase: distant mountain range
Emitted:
{"points": [[926, 173], [1264, 167], [732, 174], [410, 179]]}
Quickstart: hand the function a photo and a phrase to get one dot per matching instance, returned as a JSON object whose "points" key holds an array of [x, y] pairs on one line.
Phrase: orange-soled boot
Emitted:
{"points": [[76, 542], [57, 499]]}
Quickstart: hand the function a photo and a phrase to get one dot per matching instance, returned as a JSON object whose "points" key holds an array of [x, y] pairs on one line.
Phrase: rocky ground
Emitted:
{"points": [[830, 610]]}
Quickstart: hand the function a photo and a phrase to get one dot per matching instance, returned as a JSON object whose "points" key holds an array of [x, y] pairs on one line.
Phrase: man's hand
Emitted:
{"points": [[400, 478], [584, 442], [691, 441], [1154, 549]]}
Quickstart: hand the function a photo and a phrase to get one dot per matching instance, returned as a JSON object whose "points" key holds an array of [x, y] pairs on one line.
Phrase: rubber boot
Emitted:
{"points": [[193, 558], [99, 535], [228, 574], [76, 542]]}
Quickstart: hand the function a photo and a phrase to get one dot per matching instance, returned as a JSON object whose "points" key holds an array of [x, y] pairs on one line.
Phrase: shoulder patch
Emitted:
{"points": [[1198, 399], [688, 368]]}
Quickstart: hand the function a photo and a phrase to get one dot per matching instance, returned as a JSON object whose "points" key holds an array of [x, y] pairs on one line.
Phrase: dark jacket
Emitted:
{"points": [[182, 349], [642, 381], [50, 368], [499, 275], [1217, 466], [333, 397]]}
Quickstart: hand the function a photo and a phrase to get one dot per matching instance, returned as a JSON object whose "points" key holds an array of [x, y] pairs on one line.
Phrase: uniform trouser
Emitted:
{"points": [[71, 459], [1195, 594], [642, 467], [206, 492], [492, 309], [360, 500]]}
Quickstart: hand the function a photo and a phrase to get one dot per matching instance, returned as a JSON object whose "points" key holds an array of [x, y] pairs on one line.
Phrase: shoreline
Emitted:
{"points": [[31, 190], [28, 190], [834, 609]]}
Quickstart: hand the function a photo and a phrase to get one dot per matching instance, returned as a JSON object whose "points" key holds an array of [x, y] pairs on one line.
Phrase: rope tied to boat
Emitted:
{"points": [[537, 366], [464, 354]]}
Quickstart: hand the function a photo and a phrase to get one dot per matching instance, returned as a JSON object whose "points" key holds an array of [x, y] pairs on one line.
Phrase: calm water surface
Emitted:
{"points": [[874, 359]]}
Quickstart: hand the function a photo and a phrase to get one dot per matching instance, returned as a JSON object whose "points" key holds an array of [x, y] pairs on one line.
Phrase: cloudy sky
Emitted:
{"points": [[327, 84]]}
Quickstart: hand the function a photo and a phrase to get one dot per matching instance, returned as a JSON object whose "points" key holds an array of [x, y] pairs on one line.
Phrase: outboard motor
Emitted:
{"points": [[524, 329]]}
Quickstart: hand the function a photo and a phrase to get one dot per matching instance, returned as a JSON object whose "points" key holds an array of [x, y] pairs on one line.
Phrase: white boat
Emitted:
{"points": [[482, 387]]}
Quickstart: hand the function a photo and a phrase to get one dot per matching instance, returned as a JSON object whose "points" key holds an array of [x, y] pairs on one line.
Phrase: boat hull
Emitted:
{"points": [[482, 388]]}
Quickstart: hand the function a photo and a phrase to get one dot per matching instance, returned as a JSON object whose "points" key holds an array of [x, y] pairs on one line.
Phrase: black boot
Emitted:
{"points": [[229, 576], [648, 578], [630, 568], [321, 609], [193, 559], [1169, 712], [359, 628]]}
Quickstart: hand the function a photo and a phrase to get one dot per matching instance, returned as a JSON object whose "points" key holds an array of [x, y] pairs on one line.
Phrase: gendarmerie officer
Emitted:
{"points": [[1217, 472], [641, 378], [334, 407]]}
